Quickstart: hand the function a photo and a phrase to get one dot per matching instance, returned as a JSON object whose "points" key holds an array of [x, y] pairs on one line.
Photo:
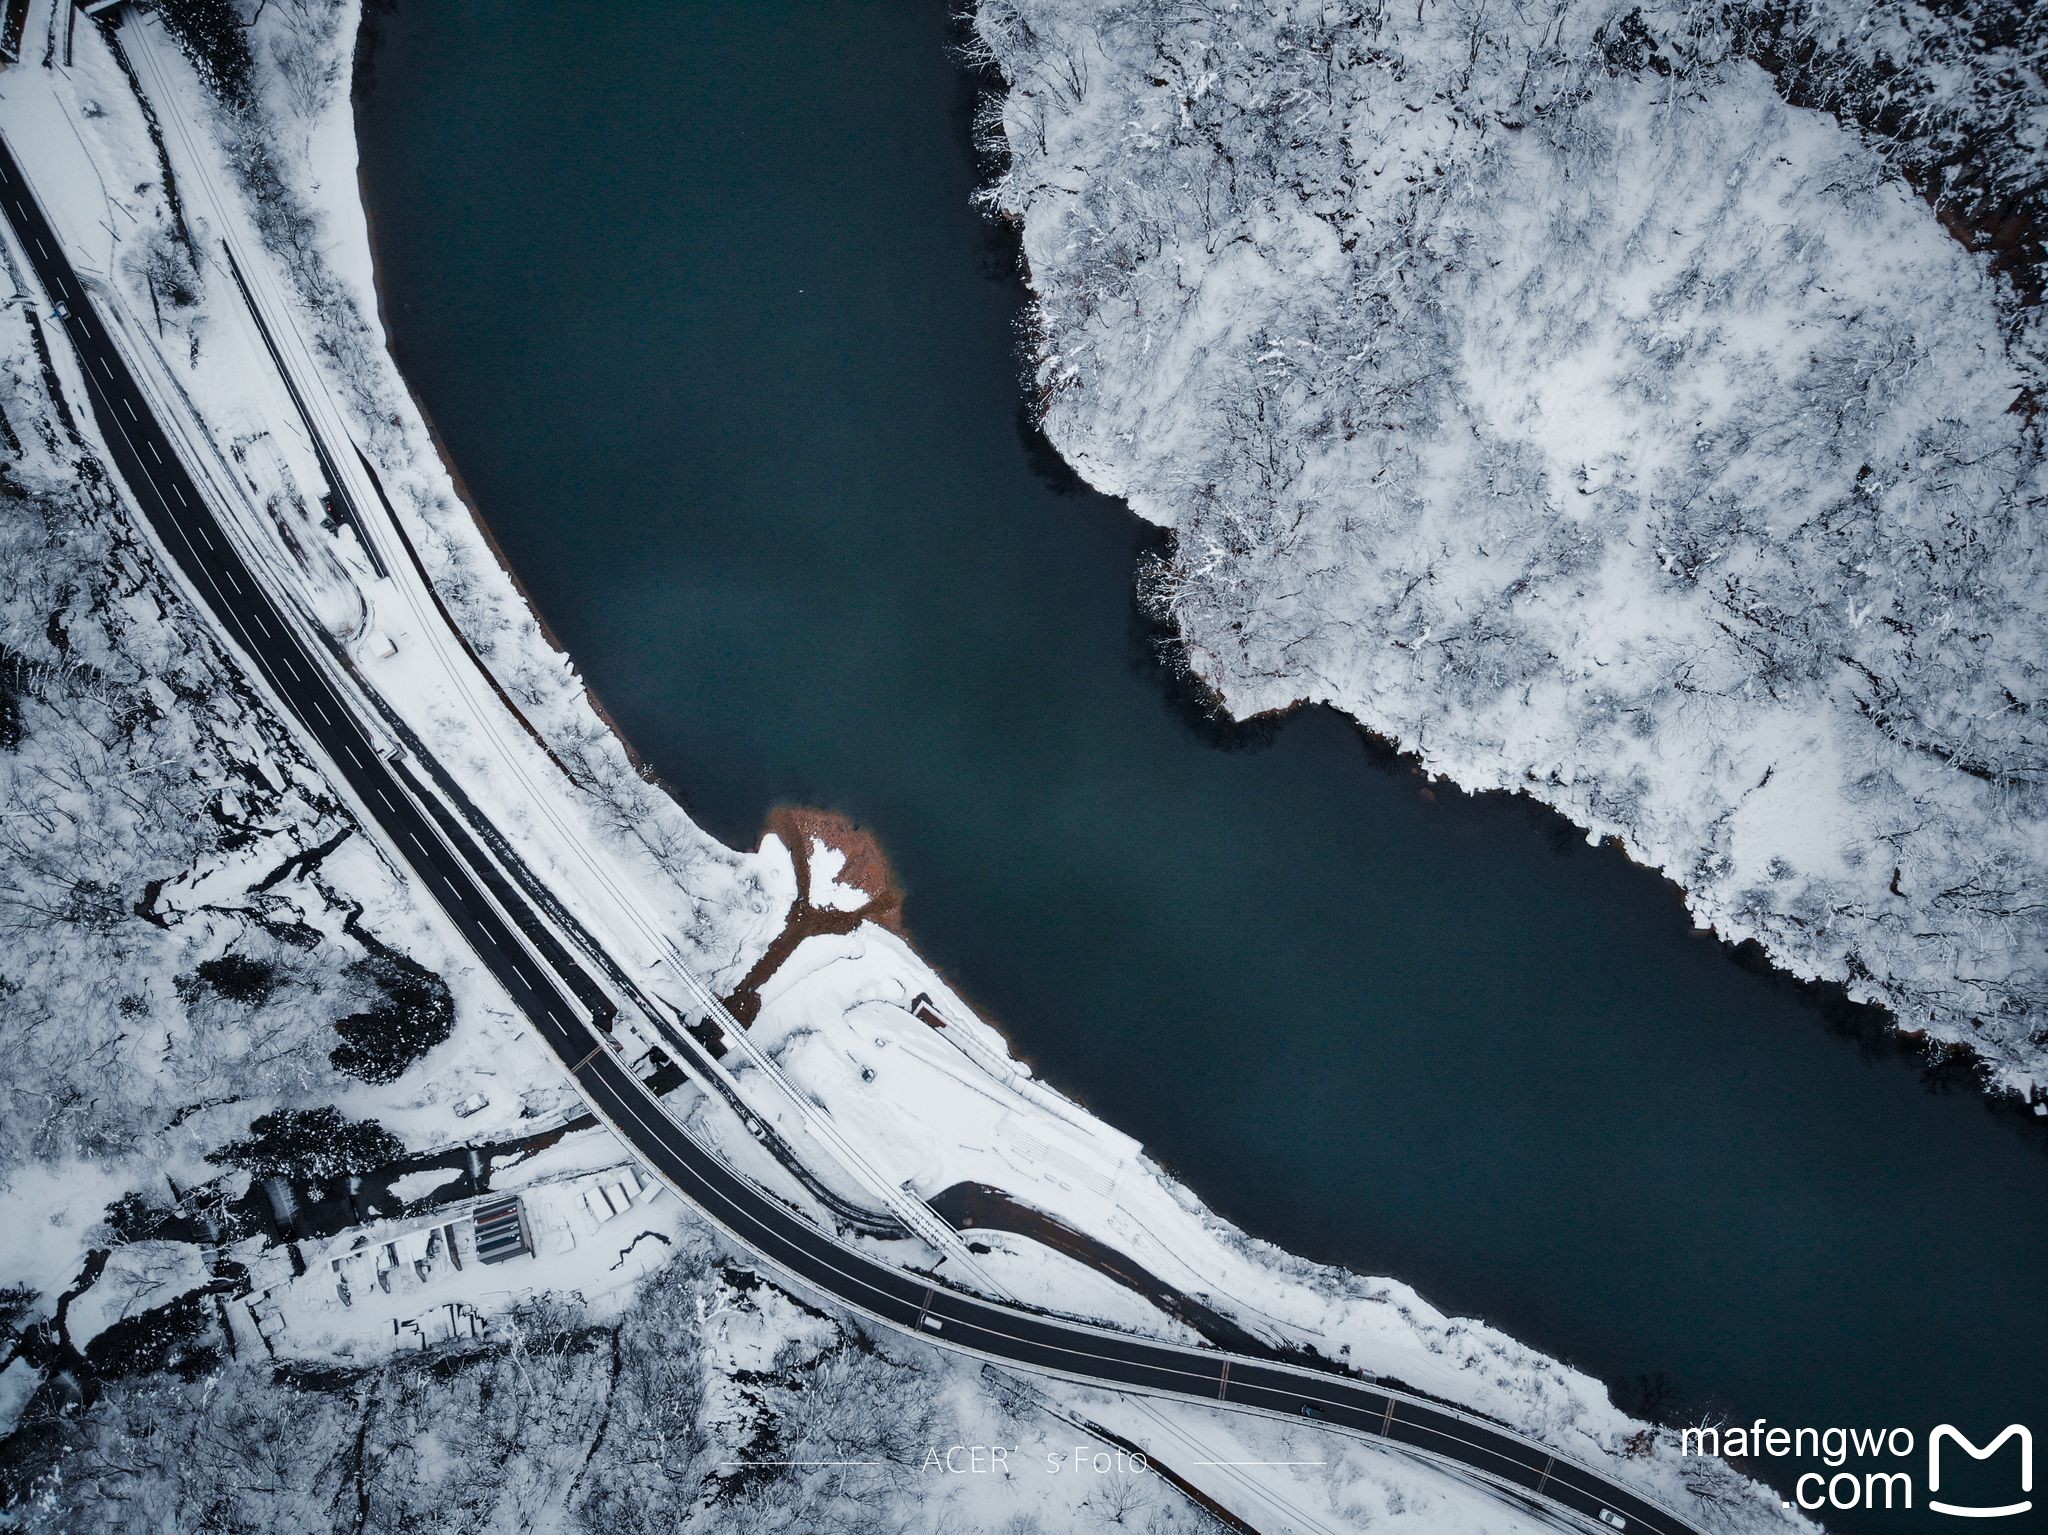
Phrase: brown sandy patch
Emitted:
{"points": [[867, 865], [867, 868]]}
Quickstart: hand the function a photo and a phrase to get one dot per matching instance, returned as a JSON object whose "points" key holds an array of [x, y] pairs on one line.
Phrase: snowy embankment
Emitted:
{"points": [[1543, 391]]}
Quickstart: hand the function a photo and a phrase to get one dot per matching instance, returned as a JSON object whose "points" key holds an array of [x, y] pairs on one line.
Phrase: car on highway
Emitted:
{"points": [[60, 310], [1612, 1520]]}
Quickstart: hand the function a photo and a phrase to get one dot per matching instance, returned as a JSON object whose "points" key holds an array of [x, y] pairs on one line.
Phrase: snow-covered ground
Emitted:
{"points": [[936, 1107], [698, 1398], [188, 911], [1541, 389], [150, 770]]}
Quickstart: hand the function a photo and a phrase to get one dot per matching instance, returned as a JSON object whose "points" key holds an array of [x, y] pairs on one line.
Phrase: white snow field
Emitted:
{"points": [[1539, 388]]}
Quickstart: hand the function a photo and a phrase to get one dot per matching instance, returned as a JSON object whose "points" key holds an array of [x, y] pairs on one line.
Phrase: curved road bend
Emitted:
{"points": [[448, 861]]}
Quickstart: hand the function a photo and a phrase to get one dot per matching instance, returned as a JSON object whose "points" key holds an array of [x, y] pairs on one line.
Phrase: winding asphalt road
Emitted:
{"points": [[448, 862]]}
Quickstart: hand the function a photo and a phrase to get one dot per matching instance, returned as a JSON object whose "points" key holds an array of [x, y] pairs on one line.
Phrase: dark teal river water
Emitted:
{"points": [[696, 296]]}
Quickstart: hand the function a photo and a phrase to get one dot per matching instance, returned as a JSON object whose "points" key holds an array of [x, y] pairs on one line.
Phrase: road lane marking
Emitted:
{"points": [[220, 603], [804, 1262], [229, 576], [150, 443], [1488, 1451], [283, 657], [1223, 1385], [794, 1257]]}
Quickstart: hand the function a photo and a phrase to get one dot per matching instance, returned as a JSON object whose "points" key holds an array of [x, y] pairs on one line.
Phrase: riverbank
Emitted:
{"points": [[843, 879], [1783, 697]]}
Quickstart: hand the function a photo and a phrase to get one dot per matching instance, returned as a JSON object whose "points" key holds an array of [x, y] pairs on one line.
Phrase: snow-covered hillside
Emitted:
{"points": [[1543, 389]]}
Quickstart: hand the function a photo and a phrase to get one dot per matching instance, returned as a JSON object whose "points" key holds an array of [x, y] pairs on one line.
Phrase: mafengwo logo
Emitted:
{"points": [[1873, 1468], [1948, 1434]]}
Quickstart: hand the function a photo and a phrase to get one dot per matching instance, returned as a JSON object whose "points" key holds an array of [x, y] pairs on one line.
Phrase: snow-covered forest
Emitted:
{"points": [[184, 910], [1636, 407], [212, 980]]}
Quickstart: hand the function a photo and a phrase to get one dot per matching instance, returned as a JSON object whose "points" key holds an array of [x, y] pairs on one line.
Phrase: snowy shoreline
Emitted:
{"points": [[1415, 468], [453, 470]]}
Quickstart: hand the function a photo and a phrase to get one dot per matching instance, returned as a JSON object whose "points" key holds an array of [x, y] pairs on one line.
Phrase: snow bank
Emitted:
{"points": [[827, 891]]}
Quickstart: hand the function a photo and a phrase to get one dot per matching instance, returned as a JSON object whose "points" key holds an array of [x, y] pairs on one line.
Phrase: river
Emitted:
{"points": [[697, 298]]}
